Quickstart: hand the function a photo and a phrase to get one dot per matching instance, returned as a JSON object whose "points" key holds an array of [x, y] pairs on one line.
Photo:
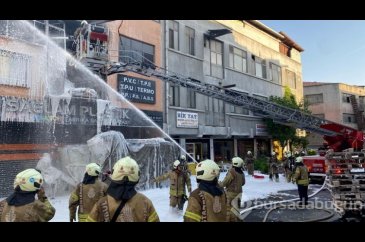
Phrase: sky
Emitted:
{"points": [[334, 50]]}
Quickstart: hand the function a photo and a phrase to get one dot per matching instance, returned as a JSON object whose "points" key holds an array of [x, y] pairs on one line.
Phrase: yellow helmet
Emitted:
{"points": [[207, 170], [176, 164], [93, 169], [126, 167], [237, 162], [29, 180], [299, 159]]}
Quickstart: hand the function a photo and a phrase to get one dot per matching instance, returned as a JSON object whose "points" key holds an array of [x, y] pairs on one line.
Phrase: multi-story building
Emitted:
{"points": [[337, 102], [138, 40], [256, 59], [23, 73]]}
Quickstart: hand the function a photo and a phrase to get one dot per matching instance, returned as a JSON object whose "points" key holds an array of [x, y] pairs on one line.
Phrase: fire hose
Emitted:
{"points": [[330, 213]]}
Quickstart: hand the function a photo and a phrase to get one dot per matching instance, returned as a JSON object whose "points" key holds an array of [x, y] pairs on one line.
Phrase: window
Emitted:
{"points": [[190, 40], [346, 98], [134, 50], [260, 67], [237, 59], [216, 58], [174, 97], [191, 98], [314, 98], [174, 35], [239, 110], [215, 114], [275, 73], [291, 79], [349, 118], [284, 49], [14, 69]]}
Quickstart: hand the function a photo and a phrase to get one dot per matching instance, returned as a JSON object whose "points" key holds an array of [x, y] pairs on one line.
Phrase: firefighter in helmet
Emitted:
{"points": [[21, 206], [122, 202], [273, 167], [207, 203], [87, 193], [300, 177], [289, 165], [233, 183], [178, 180], [249, 163]]}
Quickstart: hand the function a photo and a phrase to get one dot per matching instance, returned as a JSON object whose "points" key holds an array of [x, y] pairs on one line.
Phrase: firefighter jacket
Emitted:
{"points": [[301, 175], [233, 182], [203, 207], [137, 209], [249, 159], [178, 180], [273, 164], [84, 197], [39, 210]]}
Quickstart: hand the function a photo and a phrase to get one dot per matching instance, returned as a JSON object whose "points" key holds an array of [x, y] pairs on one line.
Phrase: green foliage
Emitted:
{"points": [[262, 164], [311, 152], [300, 142], [285, 133]]}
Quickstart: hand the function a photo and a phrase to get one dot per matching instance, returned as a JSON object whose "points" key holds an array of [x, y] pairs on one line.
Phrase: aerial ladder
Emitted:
{"points": [[345, 157]]}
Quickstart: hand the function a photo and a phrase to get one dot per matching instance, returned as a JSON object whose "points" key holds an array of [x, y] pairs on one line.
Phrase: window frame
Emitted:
{"points": [[190, 40], [174, 35]]}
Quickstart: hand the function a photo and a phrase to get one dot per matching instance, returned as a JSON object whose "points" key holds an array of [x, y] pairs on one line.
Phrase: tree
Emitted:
{"points": [[285, 133]]}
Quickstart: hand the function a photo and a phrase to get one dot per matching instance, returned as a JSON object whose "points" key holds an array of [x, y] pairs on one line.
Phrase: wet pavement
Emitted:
{"points": [[319, 208]]}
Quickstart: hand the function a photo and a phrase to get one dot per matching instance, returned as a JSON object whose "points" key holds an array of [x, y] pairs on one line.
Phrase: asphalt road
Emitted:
{"points": [[320, 208]]}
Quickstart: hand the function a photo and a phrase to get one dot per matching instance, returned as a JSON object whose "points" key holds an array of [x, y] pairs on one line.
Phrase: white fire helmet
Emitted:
{"points": [[249, 152], [207, 170], [182, 157], [299, 159], [93, 169], [29, 180], [273, 153], [237, 162], [126, 167], [176, 164]]}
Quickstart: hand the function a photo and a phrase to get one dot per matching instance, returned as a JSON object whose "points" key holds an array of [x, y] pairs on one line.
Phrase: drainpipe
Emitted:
{"points": [[165, 59]]}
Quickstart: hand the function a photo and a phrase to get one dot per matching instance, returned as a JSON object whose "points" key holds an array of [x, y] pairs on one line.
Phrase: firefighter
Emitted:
{"points": [[289, 166], [207, 203], [249, 163], [22, 206], [178, 180], [301, 178], [87, 193], [122, 202], [184, 163], [273, 167], [233, 183]]}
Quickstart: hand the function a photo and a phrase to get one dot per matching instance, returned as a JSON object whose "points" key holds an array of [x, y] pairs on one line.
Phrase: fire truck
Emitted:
{"points": [[343, 162]]}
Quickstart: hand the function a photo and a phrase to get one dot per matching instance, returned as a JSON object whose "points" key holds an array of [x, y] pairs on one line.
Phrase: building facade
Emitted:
{"points": [[337, 102], [138, 40], [256, 59]]}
